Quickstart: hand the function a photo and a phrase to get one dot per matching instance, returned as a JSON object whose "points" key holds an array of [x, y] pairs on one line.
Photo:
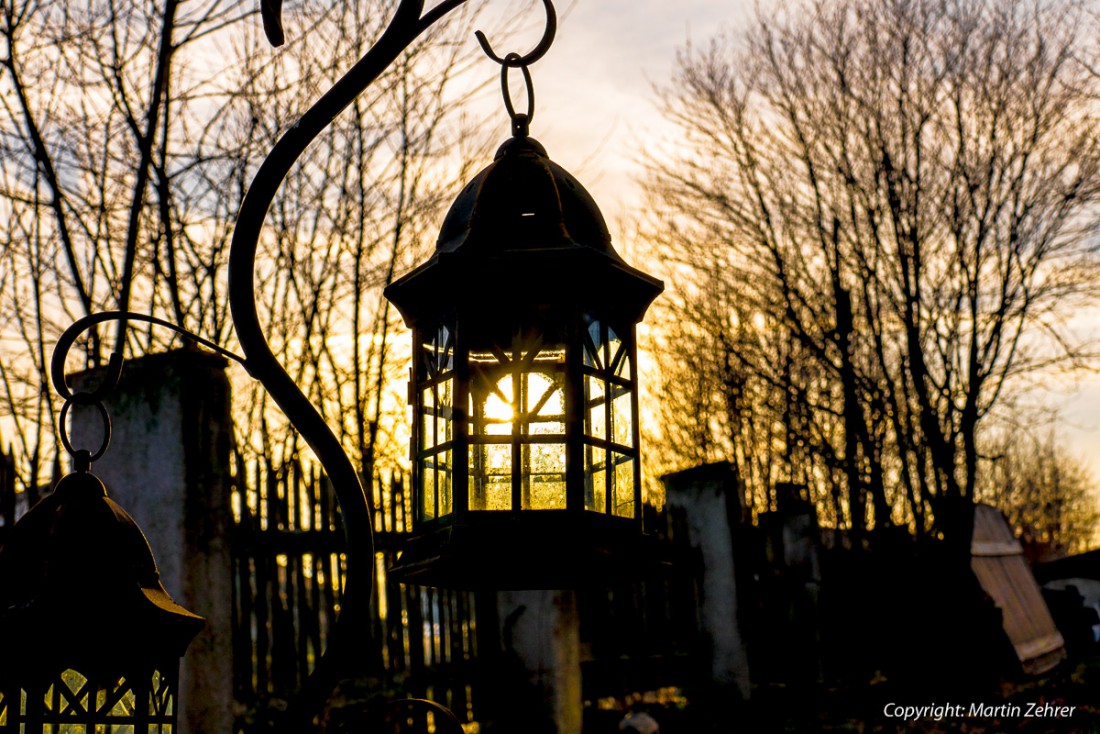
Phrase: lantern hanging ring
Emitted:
{"points": [[520, 122], [82, 458]]}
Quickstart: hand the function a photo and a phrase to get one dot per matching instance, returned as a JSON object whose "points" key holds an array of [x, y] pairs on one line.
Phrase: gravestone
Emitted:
{"points": [[709, 498]]}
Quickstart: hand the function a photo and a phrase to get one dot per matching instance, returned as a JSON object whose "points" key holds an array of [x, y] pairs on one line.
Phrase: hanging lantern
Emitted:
{"points": [[524, 386], [91, 642]]}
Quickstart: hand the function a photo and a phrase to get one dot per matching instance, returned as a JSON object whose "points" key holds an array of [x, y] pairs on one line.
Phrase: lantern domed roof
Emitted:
{"points": [[77, 563], [523, 201], [524, 232]]}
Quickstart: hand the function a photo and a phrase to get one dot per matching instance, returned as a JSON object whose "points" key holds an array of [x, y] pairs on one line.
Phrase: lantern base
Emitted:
{"points": [[532, 549]]}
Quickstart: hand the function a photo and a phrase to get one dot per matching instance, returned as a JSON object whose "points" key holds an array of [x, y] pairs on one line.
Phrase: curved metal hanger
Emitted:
{"points": [[82, 458], [114, 363], [346, 641], [271, 12]]}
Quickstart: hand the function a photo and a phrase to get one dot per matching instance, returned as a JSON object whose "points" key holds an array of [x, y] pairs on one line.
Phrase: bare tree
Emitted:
{"points": [[128, 134], [1047, 493], [359, 210], [903, 194], [92, 185]]}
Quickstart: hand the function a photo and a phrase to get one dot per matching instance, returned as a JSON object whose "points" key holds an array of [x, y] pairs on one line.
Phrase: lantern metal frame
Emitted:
{"points": [[524, 291]]}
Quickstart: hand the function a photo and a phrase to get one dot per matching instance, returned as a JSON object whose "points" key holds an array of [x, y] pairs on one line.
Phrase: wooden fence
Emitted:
{"points": [[289, 576], [645, 636]]}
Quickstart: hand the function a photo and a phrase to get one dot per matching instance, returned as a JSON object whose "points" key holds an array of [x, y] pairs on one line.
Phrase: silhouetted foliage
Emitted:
{"points": [[1048, 494]]}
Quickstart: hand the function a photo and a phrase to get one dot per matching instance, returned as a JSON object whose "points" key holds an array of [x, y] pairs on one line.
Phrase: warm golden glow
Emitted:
{"points": [[75, 704], [517, 427], [498, 406]]}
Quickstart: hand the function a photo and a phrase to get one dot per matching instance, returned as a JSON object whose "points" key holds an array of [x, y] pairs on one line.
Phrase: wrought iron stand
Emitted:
{"points": [[348, 639]]}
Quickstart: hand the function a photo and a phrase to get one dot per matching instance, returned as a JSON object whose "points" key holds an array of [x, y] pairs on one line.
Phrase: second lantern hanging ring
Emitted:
{"points": [[83, 458]]}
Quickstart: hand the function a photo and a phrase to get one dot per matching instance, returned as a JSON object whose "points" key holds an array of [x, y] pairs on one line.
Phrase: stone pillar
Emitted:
{"points": [[541, 632], [793, 583], [709, 498], [168, 465]]}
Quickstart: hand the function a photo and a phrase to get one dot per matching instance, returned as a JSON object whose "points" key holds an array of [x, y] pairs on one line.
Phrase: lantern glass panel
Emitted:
{"points": [[595, 484], [544, 484], [427, 491], [110, 703], [494, 492], [621, 416], [595, 417], [65, 705], [161, 705], [610, 433], [517, 426], [436, 429], [622, 366], [623, 505], [437, 351], [491, 472], [593, 346]]}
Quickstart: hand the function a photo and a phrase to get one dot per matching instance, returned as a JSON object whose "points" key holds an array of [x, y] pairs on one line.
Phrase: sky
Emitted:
{"points": [[596, 100], [594, 89]]}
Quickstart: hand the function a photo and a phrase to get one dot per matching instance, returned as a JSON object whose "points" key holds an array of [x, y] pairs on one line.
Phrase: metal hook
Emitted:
{"points": [[114, 364], [515, 60]]}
